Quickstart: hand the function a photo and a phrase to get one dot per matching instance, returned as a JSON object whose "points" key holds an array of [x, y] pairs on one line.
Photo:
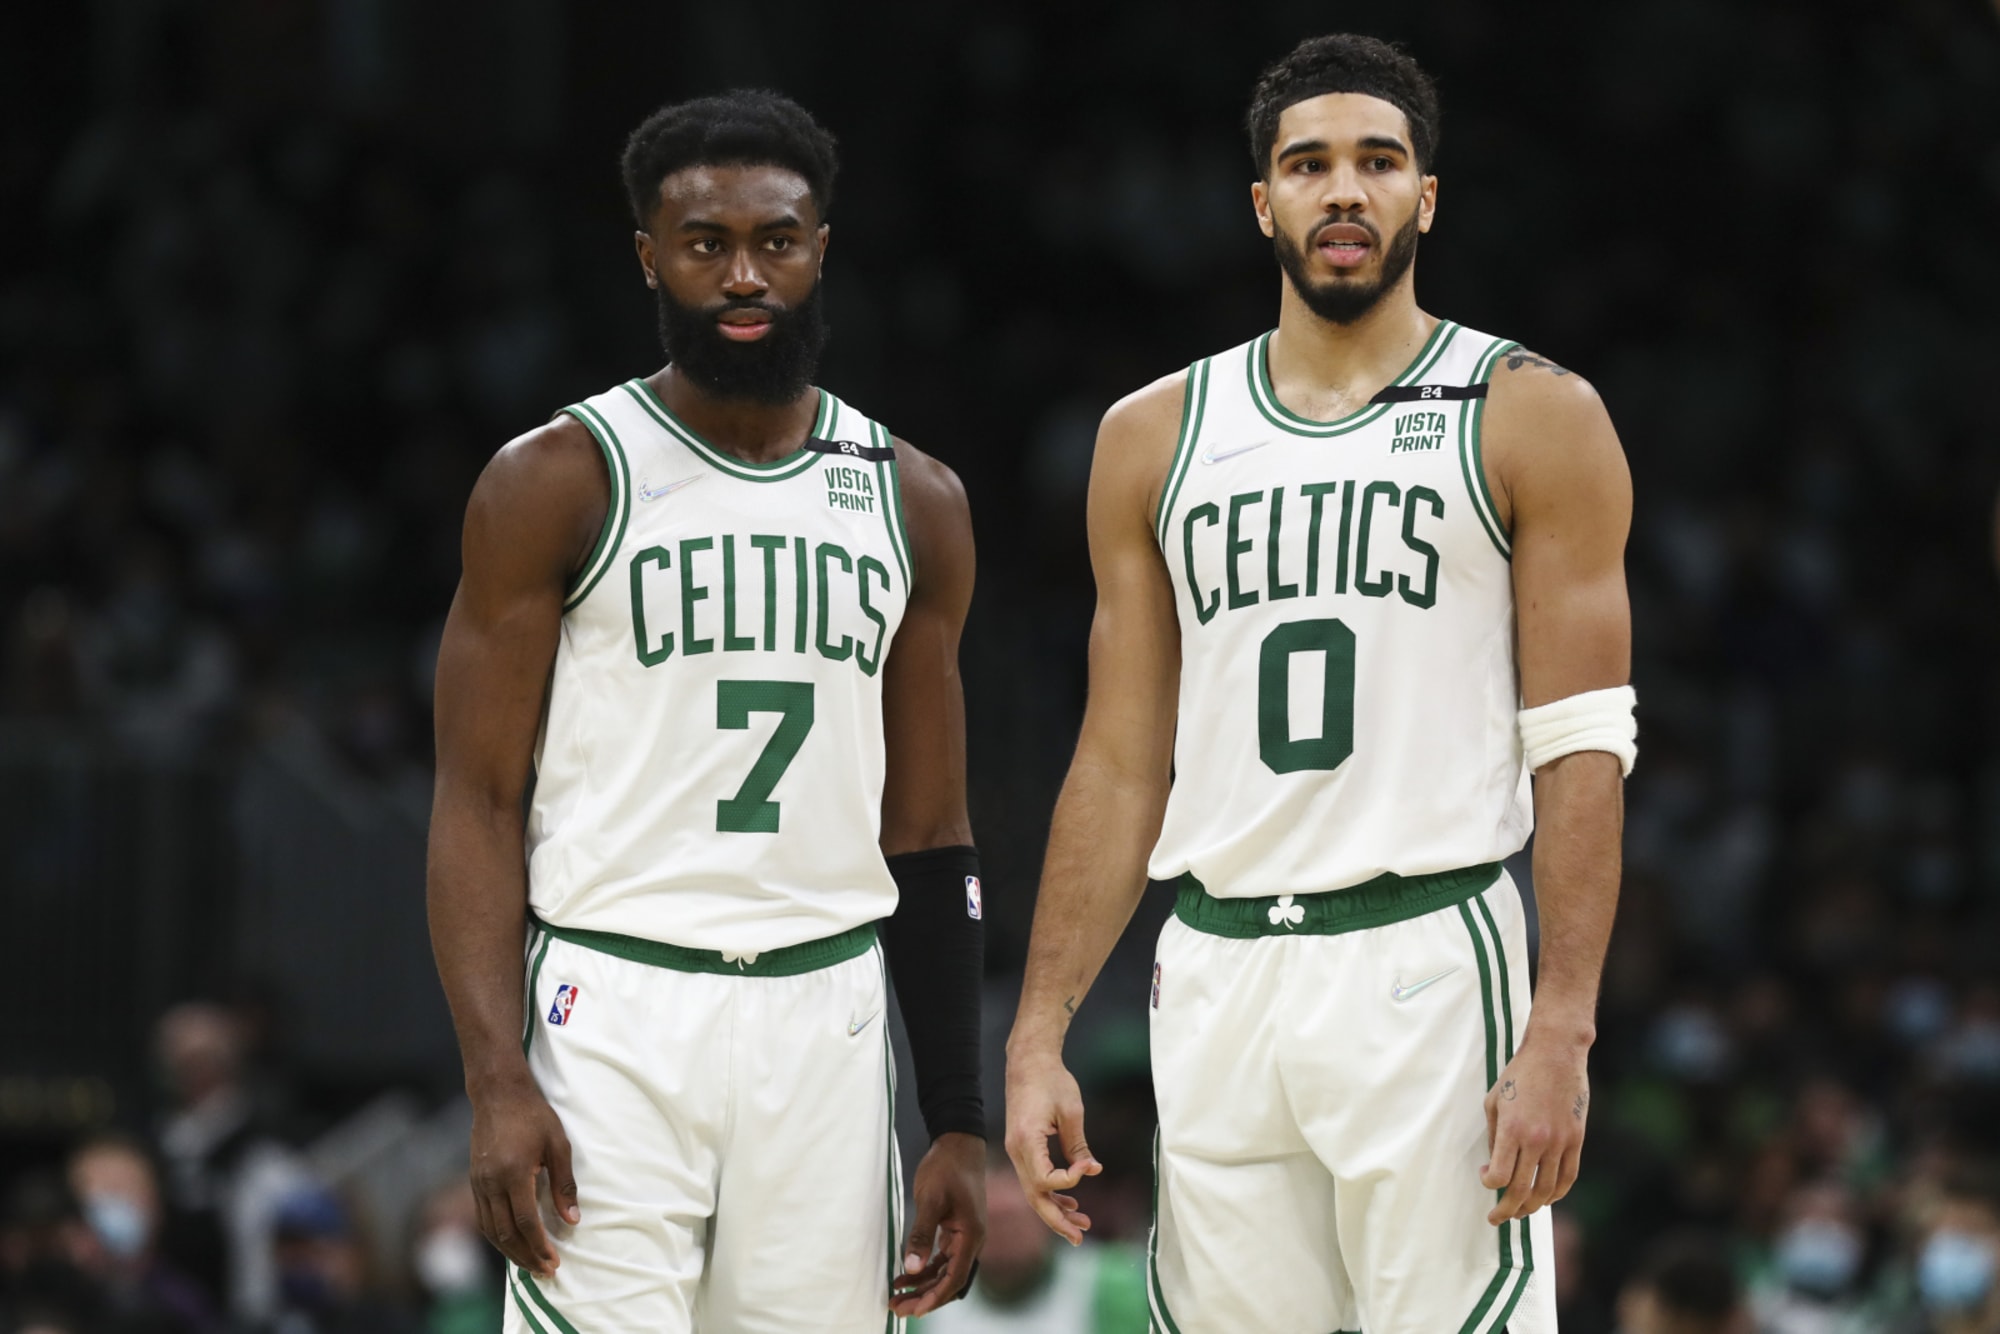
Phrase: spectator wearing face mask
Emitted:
{"points": [[1686, 1286], [1814, 1281], [453, 1264], [323, 1279], [139, 1293], [1958, 1261]]}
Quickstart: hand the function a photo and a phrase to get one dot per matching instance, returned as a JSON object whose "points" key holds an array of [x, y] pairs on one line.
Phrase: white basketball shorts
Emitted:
{"points": [[1321, 1064], [730, 1125]]}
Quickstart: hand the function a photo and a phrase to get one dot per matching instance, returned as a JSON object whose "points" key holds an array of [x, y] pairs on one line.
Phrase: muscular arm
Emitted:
{"points": [[1563, 488], [1109, 813], [533, 515]]}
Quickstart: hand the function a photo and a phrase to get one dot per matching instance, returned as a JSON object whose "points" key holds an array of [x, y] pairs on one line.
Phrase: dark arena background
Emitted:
{"points": [[277, 277]]}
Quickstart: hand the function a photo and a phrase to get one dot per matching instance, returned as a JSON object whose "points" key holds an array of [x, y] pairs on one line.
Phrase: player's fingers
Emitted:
{"points": [[955, 1257], [1567, 1169], [524, 1216], [1499, 1168], [923, 1234], [1520, 1184], [1076, 1151], [1066, 1223], [1547, 1172], [485, 1215], [562, 1178]]}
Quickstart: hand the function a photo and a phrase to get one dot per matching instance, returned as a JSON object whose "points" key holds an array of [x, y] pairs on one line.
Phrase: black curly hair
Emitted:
{"points": [[1344, 62], [744, 125]]}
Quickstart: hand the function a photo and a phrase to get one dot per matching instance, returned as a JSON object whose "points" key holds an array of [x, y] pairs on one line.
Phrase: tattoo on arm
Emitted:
{"points": [[1582, 1101], [1507, 1090], [1520, 357], [1069, 1004]]}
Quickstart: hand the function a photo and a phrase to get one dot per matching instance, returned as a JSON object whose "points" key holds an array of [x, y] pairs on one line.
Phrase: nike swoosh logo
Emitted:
{"points": [[655, 492], [853, 1029], [1399, 992], [1218, 455]]}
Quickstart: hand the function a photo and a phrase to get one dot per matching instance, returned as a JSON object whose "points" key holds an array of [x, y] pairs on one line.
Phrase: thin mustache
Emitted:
{"points": [[1374, 235]]}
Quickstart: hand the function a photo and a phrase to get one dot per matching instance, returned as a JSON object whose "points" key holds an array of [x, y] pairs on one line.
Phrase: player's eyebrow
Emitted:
{"points": [[1385, 141], [781, 223], [1298, 146]]}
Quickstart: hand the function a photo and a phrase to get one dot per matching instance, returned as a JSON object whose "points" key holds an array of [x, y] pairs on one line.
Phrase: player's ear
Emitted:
{"points": [[824, 234], [643, 243], [1260, 199], [1427, 202]]}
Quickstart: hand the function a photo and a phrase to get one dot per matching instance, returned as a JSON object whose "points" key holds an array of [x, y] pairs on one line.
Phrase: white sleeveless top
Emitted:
{"points": [[709, 769], [1348, 689]]}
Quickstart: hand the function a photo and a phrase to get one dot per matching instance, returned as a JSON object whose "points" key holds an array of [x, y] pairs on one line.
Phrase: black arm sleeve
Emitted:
{"points": [[936, 946]]}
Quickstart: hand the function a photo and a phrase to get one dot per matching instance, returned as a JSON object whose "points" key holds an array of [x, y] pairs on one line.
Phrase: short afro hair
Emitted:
{"points": [[745, 126], [1344, 62]]}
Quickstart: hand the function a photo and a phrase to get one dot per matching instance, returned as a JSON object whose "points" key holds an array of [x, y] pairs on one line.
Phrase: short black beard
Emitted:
{"points": [[1345, 301], [773, 370]]}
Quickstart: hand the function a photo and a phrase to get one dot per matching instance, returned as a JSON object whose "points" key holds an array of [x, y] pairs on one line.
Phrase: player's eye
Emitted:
{"points": [[707, 245], [1381, 164], [1310, 165], [781, 243]]}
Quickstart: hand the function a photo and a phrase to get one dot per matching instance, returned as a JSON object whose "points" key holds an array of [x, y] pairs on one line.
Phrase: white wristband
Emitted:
{"points": [[1594, 720]]}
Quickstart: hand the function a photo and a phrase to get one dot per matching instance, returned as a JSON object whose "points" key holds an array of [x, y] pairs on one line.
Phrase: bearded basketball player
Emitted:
{"points": [[1361, 619], [715, 610]]}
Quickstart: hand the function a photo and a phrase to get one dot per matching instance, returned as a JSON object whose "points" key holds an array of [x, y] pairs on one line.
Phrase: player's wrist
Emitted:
{"points": [[498, 1077], [1571, 1025]]}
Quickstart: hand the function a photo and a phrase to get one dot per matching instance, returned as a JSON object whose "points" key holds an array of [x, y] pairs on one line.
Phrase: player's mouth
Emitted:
{"points": [[743, 326], [1345, 245]]}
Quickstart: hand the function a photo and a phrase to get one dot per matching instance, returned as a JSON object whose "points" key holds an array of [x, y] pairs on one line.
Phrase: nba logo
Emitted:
{"points": [[972, 905], [565, 1002], [1156, 986]]}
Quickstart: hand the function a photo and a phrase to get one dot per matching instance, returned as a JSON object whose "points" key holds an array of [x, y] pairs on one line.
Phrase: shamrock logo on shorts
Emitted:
{"points": [[741, 960], [1287, 912]]}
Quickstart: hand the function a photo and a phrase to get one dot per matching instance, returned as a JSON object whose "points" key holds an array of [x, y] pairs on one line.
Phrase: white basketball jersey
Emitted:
{"points": [[1348, 689], [709, 769]]}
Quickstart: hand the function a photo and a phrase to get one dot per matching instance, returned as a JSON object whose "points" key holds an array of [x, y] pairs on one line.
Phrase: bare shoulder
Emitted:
{"points": [[1545, 428], [939, 521], [543, 493], [1528, 389], [1146, 419]]}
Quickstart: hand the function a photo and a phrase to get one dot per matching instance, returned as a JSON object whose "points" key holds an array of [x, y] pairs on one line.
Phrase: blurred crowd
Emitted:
{"points": [[257, 338]]}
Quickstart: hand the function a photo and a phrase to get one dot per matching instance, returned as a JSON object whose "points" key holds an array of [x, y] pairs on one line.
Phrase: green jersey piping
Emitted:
{"points": [[1193, 397], [1472, 462], [778, 470], [888, 472], [616, 515], [1265, 397]]}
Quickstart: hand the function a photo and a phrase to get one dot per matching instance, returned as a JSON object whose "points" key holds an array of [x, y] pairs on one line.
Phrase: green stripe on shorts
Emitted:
{"points": [[785, 961], [1377, 902]]}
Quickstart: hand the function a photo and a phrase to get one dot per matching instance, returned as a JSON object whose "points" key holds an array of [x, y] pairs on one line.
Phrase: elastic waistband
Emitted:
{"points": [[1377, 902], [785, 961]]}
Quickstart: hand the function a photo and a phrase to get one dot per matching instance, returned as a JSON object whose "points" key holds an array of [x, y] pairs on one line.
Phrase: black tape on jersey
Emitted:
{"points": [[936, 945], [849, 449], [1429, 393]]}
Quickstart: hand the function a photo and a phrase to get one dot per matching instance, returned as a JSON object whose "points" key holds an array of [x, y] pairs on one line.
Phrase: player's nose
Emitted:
{"points": [[1341, 192], [743, 278]]}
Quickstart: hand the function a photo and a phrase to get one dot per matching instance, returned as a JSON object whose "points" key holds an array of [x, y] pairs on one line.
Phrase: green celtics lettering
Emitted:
{"points": [[759, 593], [1364, 538]]}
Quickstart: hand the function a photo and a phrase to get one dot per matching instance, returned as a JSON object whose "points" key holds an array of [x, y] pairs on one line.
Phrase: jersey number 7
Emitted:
{"points": [[751, 810]]}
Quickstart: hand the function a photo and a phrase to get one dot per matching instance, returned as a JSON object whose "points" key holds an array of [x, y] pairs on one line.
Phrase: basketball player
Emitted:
{"points": [[1331, 565], [718, 610]]}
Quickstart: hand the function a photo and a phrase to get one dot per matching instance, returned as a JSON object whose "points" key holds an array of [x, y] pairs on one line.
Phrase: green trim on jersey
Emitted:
{"points": [[521, 1301], [889, 473], [1258, 369], [893, 1184], [616, 515], [778, 470], [534, 976], [1153, 1287], [1472, 462], [1194, 397], [1378, 902], [785, 961], [1498, 1020], [528, 1281]]}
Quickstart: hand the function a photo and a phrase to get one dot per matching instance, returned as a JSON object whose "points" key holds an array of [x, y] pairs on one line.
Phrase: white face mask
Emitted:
{"points": [[1819, 1256], [1955, 1271], [450, 1261], [119, 1224]]}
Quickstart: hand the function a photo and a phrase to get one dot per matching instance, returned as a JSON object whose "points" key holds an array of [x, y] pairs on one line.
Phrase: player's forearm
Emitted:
{"points": [[478, 918], [1580, 816], [1104, 827]]}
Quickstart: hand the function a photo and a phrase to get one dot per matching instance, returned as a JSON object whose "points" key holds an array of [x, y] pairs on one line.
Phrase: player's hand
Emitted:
{"points": [[515, 1138], [1535, 1119], [1043, 1100], [949, 1227]]}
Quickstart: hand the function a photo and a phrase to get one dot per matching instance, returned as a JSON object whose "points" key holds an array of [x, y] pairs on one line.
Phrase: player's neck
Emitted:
{"points": [[754, 432], [1322, 369]]}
